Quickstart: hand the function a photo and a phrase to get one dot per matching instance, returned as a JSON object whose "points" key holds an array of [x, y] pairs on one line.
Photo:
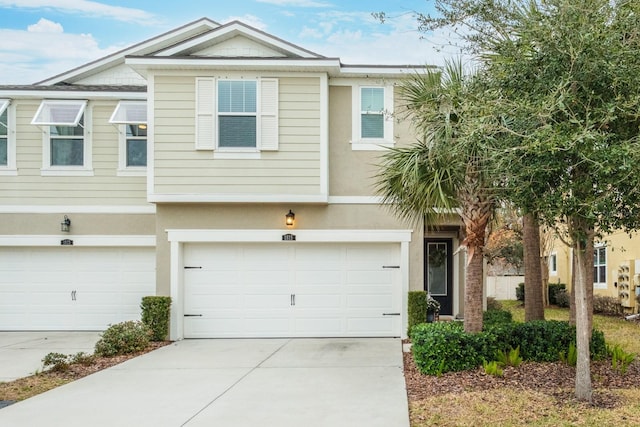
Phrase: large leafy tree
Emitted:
{"points": [[445, 171], [567, 73]]}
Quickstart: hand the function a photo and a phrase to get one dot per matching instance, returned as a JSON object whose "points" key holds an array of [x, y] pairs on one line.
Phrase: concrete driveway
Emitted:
{"points": [[21, 353], [237, 383]]}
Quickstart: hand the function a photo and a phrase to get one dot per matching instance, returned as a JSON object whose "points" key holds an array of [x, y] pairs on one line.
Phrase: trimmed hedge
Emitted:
{"points": [[123, 338], [496, 317], [155, 314], [553, 291], [445, 347], [417, 309]]}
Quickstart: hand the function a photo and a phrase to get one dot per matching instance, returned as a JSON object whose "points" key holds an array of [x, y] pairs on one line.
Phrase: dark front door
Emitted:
{"points": [[438, 272]]}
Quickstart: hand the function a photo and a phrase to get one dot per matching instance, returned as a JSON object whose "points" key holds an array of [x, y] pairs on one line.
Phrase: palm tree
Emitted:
{"points": [[444, 174]]}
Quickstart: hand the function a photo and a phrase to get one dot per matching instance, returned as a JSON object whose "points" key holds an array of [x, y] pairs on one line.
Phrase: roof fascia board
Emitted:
{"points": [[49, 94], [142, 64], [243, 29], [149, 45]]}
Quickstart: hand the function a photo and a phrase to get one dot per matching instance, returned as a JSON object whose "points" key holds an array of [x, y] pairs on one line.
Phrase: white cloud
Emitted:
{"points": [[296, 3], [45, 26], [44, 51], [86, 7]]}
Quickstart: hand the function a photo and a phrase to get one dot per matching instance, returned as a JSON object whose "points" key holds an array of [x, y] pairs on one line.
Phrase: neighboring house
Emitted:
{"points": [[176, 162], [616, 267]]}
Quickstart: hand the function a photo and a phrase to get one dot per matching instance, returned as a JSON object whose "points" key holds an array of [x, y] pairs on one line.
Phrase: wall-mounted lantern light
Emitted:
{"points": [[65, 224], [290, 218]]}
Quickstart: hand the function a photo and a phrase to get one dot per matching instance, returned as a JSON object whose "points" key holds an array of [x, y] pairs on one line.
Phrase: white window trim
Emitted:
{"points": [[10, 168], [596, 284], [123, 169], [266, 117], [553, 271], [372, 144], [87, 167]]}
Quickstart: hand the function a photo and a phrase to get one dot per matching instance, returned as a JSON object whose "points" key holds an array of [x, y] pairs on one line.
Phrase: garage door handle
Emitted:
{"points": [[193, 315], [391, 314], [390, 266]]}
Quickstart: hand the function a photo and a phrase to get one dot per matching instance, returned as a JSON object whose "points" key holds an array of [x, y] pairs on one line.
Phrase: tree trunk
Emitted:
{"points": [[572, 294], [474, 282], [544, 269], [583, 332], [533, 307]]}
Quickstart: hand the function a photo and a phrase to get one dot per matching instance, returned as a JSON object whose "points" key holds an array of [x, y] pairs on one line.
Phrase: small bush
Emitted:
{"points": [[493, 304], [495, 317], [57, 362], [155, 314], [608, 306], [445, 347], [492, 368], [123, 338], [571, 356], [620, 359], [520, 292], [82, 358], [509, 358], [553, 291], [562, 298], [417, 309]]}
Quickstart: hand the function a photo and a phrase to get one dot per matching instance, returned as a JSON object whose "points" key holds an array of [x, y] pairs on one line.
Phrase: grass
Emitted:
{"points": [[510, 407], [24, 388]]}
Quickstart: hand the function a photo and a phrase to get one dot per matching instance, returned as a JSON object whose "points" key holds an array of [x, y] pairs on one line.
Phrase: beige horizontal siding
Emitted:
{"points": [[181, 169], [29, 187]]}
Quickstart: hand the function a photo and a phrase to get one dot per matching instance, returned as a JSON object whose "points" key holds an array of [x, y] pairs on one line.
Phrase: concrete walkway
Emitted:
{"points": [[21, 353], [236, 383]]}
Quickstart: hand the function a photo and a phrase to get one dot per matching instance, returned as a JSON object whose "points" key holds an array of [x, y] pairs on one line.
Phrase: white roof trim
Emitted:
{"points": [[4, 103], [129, 112], [59, 113], [71, 94], [144, 47], [238, 28]]}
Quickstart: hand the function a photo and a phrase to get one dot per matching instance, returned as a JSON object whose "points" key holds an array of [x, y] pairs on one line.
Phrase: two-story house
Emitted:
{"points": [[224, 167]]}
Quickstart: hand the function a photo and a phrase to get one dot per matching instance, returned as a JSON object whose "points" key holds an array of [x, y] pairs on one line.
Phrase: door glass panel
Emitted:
{"points": [[437, 268]]}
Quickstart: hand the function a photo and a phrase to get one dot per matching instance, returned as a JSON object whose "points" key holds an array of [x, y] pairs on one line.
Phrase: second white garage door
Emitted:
{"points": [[291, 290]]}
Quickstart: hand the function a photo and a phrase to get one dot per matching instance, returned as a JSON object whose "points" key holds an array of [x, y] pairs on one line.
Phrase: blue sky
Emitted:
{"points": [[42, 38]]}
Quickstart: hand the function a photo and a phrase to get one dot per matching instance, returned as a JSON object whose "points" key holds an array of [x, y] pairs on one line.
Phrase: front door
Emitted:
{"points": [[438, 272]]}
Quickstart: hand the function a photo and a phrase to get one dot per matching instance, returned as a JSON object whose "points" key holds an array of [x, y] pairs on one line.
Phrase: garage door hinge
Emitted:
{"points": [[390, 266], [193, 315], [187, 267], [391, 314]]}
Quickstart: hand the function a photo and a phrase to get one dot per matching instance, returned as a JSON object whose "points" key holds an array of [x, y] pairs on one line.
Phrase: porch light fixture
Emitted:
{"points": [[290, 218], [65, 224]]}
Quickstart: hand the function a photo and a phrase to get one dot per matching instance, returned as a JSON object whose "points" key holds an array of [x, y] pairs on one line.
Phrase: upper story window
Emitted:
{"points": [[66, 147], [236, 117], [372, 117], [7, 138], [600, 267], [131, 119]]}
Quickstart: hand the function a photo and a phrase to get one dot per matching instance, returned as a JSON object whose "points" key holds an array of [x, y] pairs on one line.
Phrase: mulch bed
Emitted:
{"points": [[555, 379]]}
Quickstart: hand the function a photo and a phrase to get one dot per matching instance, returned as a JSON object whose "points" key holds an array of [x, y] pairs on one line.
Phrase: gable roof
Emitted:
{"points": [[143, 48]]}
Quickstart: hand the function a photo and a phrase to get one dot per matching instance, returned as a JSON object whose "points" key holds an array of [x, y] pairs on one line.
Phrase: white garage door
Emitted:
{"points": [[291, 290], [73, 288]]}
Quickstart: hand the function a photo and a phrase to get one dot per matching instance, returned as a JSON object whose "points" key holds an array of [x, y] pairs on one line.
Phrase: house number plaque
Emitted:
{"points": [[66, 242], [288, 237]]}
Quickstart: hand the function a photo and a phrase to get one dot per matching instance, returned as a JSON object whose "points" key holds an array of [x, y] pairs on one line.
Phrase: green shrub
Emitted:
{"points": [[155, 314], [492, 368], [57, 362], [620, 359], [493, 304], [417, 309], [82, 358], [571, 356], [123, 338], [495, 317], [553, 290], [598, 345], [445, 347], [520, 292], [509, 358], [562, 298], [608, 306]]}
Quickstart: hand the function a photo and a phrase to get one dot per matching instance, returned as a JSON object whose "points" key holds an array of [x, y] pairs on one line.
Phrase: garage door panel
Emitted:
{"points": [[293, 289], [64, 288]]}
